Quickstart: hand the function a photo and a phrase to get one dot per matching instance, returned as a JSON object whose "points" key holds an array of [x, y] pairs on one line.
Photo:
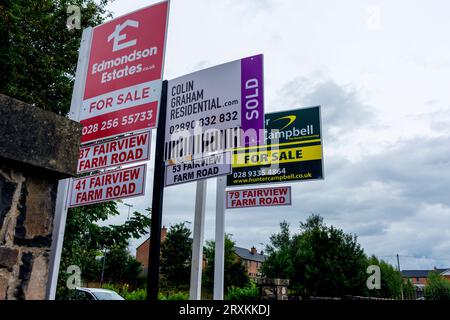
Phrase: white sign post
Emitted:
{"points": [[195, 291], [219, 253], [63, 185]]}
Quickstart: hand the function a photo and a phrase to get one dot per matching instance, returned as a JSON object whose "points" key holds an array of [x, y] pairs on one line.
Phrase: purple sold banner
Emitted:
{"points": [[215, 109], [252, 100]]}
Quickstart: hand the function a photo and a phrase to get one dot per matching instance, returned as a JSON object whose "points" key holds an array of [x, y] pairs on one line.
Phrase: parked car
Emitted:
{"points": [[95, 294]]}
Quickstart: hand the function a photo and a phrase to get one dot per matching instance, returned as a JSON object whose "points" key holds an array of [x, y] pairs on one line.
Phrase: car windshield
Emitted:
{"points": [[107, 295]]}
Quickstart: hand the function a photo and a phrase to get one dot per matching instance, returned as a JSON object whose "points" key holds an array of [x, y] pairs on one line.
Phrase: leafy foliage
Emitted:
{"points": [[122, 268], [176, 256], [84, 240], [409, 291], [391, 280], [235, 274], [250, 292], [437, 288], [140, 294], [173, 296], [41, 51], [319, 260], [41, 55], [279, 262]]}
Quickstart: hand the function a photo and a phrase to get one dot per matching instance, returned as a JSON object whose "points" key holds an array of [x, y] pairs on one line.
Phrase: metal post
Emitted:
{"points": [[220, 239], [59, 221], [401, 285], [195, 291], [157, 202], [103, 268], [129, 207]]}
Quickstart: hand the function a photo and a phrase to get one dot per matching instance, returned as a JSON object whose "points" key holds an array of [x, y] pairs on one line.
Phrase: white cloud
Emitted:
{"points": [[385, 107]]}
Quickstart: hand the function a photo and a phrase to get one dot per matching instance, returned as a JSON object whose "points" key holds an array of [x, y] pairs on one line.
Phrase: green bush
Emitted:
{"points": [[173, 296], [140, 294], [121, 290], [246, 293], [437, 288]]}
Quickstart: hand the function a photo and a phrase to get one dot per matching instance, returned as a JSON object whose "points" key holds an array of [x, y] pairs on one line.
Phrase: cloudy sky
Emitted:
{"points": [[380, 70]]}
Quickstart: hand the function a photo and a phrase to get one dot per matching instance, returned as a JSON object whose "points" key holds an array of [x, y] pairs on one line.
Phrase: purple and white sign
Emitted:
{"points": [[252, 94], [215, 109]]}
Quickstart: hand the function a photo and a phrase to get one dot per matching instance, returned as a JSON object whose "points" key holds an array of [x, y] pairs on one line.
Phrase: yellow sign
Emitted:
{"points": [[279, 155]]}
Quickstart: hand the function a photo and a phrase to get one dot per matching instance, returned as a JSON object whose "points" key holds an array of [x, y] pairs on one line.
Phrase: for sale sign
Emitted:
{"points": [[292, 151], [118, 184], [215, 109], [279, 196], [198, 169], [124, 76], [114, 153]]}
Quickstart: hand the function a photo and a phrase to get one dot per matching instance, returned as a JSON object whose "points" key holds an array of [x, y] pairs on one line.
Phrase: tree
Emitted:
{"points": [[84, 239], [176, 254], [319, 260], [278, 262], [437, 287], [41, 55], [235, 274], [122, 268], [409, 290], [390, 280], [41, 52]]}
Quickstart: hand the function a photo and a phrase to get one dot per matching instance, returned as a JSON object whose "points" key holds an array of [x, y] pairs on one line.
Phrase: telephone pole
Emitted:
{"points": [[103, 268], [129, 206], [401, 285]]}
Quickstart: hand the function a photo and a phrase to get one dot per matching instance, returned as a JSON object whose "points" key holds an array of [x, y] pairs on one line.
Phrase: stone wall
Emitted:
{"points": [[37, 148], [273, 289]]}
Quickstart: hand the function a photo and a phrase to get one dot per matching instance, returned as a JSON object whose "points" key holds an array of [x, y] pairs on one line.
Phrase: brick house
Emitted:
{"points": [[251, 259], [143, 249], [419, 277]]}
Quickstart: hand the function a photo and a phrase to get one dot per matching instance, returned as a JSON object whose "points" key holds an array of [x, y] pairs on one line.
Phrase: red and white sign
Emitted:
{"points": [[278, 196], [124, 76], [117, 184], [113, 153]]}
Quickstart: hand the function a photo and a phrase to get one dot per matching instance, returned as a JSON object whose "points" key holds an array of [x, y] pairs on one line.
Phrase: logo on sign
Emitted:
{"points": [[119, 37], [290, 118]]}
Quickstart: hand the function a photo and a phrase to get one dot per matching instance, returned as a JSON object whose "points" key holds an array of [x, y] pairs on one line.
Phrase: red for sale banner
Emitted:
{"points": [[124, 76]]}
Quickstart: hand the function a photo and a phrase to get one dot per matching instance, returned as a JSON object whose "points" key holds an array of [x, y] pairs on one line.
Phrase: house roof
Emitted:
{"points": [[420, 273], [245, 254], [143, 242]]}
